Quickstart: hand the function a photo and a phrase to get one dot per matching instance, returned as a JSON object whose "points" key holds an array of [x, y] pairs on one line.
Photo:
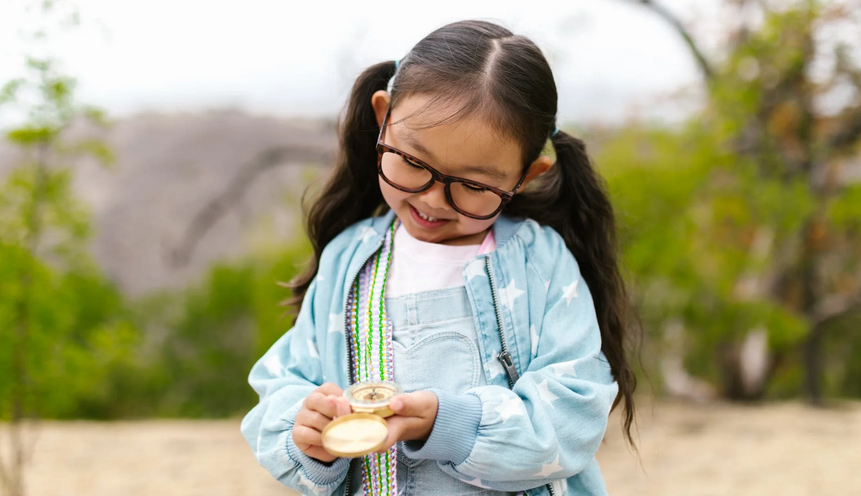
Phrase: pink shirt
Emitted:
{"points": [[421, 266]]}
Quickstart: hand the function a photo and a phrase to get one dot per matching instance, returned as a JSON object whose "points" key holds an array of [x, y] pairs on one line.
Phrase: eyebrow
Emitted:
{"points": [[477, 169]]}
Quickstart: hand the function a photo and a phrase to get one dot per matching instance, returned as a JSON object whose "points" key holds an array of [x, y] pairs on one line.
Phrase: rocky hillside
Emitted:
{"points": [[169, 168]]}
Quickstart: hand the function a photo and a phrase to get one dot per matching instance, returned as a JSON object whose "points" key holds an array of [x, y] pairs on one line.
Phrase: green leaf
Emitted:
{"points": [[10, 90], [845, 210], [32, 135], [97, 149]]}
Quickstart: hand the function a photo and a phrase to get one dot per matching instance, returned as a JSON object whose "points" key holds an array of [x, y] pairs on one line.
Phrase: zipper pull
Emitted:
{"points": [[507, 363]]}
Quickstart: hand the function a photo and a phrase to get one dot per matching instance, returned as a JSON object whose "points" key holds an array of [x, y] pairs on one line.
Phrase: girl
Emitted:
{"points": [[452, 256]]}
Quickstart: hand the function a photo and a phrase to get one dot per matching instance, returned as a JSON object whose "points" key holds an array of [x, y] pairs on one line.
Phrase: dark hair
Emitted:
{"points": [[486, 69]]}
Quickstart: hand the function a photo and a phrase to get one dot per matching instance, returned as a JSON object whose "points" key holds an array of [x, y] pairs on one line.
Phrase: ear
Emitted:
{"points": [[540, 166], [380, 101]]}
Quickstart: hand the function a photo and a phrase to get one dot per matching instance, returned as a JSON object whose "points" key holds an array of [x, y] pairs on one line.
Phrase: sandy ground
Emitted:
{"points": [[783, 449]]}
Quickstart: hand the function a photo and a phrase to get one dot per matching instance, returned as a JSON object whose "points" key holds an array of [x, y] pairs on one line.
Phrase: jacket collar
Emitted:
{"points": [[505, 227]]}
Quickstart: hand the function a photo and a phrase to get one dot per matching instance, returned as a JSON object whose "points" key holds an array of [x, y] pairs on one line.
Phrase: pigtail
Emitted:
{"points": [[571, 198], [352, 192]]}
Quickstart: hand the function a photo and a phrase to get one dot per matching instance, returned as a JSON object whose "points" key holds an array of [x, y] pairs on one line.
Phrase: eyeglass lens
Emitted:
{"points": [[475, 201]]}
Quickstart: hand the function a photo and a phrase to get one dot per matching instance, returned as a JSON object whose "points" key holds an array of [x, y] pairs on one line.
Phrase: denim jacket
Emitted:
{"points": [[536, 424]]}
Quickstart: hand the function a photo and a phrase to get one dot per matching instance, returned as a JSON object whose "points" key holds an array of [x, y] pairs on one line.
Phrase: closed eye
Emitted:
{"points": [[475, 189], [411, 163]]}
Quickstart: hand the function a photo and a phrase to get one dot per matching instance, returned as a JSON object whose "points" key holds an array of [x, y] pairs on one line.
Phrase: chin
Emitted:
{"points": [[422, 234]]}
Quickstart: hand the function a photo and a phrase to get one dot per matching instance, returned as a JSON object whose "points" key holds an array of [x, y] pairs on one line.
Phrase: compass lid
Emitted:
{"points": [[355, 435]]}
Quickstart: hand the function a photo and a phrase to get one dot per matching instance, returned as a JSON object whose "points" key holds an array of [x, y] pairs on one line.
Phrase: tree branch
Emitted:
{"points": [[703, 64], [834, 306], [216, 208], [849, 132]]}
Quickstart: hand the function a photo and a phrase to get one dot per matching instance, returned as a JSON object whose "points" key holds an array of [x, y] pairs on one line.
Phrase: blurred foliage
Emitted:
{"points": [[79, 330], [738, 223], [201, 343], [685, 220], [63, 324]]}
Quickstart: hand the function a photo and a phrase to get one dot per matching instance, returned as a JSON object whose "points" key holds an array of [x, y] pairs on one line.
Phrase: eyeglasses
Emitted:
{"points": [[409, 174]]}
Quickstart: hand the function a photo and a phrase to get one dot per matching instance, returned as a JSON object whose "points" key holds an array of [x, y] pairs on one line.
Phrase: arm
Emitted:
{"points": [[550, 425], [284, 377]]}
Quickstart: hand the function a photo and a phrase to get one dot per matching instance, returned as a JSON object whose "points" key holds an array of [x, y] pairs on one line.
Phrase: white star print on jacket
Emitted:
{"points": [[545, 430]]}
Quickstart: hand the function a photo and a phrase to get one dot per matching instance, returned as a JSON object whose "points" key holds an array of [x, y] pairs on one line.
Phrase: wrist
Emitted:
{"points": [[430, 420], [317, 471], [453, 431]]}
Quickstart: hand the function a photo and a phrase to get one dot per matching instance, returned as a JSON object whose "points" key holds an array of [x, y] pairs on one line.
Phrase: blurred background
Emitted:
{"points": [[152, 165]]}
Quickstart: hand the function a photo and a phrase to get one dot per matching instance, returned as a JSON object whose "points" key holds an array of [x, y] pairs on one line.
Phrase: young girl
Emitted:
{"points": [[452, 257]]}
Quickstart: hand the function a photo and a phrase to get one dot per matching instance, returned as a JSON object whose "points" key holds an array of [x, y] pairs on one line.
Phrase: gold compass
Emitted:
{"points": [[365, 430], [372, 397]]}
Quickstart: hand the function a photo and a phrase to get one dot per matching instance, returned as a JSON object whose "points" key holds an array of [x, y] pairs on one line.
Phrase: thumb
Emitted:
{"points": [[414, 404]]}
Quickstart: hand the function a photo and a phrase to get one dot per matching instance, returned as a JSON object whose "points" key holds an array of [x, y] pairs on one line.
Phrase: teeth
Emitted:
{"points": [[425, 217]]}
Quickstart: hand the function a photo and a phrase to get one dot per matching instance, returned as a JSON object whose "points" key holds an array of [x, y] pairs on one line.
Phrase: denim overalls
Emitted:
{"points": [[435, 345]]}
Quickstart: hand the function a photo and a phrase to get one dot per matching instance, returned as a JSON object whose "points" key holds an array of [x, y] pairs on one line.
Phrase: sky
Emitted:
{"points": [[612, 59]]}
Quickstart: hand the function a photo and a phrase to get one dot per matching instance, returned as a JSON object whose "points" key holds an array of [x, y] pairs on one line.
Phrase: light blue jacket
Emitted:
{"points": [[530, 305]]}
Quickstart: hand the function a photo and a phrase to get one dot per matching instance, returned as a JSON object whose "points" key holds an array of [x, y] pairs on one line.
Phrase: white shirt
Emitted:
{"points": [[421, 266]]}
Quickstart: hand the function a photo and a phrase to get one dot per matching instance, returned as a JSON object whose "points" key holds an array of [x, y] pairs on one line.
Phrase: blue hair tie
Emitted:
{"points": [[555, 132], [392, 79]]}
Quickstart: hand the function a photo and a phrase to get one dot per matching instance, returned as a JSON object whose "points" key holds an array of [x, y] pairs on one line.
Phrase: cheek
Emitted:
{"points": [[393, 197], [469, 225]]}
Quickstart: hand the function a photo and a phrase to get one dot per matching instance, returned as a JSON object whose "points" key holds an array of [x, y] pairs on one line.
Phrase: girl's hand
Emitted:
{"points": [[414, 417], [319, 408]]}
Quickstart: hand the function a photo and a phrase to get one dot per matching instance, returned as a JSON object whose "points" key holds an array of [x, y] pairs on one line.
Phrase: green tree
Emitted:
{"points": [[752, 236], [64, 323]]}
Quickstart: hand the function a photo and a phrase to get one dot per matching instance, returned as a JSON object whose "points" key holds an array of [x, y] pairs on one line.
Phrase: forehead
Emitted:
{"points": [[453, 139]]}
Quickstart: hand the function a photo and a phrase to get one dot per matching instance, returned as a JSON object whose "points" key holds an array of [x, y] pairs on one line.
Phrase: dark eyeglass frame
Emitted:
{"points": [[445, 179]]}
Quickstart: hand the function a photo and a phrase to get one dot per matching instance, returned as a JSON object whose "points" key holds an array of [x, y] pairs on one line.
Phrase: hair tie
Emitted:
{"points": [[554, 133], [392, 79]]}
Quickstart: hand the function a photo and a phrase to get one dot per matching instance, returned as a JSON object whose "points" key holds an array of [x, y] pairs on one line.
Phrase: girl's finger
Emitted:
{"points": [[400, 429], [304, 435], [321, 403], [310, 418], [415, 404], [320, 453], [342, 406], [329, 388]]}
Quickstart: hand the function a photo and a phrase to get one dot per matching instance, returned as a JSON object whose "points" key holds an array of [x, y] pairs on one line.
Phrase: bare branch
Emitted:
{"points": [[704, 65], [849, 132], [834, 306], [216, 208]]}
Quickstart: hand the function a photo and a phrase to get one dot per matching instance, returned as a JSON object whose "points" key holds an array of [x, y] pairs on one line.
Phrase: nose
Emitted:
{"points": [[434, 197]]}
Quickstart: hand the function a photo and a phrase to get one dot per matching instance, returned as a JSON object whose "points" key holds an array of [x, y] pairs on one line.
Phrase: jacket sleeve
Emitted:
{"points": [[550, 425], [283, 377]]}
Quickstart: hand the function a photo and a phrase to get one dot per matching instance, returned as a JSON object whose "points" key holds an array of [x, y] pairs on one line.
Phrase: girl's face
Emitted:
{"points": [[467, 148]]}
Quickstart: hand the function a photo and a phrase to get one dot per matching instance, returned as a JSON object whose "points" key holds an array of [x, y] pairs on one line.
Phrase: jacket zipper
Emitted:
{"points": [[348, 339], [504, 356]]}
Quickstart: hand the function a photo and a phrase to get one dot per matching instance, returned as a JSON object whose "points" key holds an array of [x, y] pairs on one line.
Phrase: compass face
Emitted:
{"points": [[372, 397], [373, 393]]}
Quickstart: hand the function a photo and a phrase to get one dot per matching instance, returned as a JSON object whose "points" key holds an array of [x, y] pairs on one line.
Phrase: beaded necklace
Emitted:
{"points": [[371, 344]]}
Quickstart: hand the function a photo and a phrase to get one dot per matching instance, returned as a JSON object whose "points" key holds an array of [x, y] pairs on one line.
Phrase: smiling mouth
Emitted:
{"points": [[425, 217], [427, 221]]}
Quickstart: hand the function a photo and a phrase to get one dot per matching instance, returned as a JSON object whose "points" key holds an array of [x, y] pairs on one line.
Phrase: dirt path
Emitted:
{"points": [[782, 449], [785, 449]]}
